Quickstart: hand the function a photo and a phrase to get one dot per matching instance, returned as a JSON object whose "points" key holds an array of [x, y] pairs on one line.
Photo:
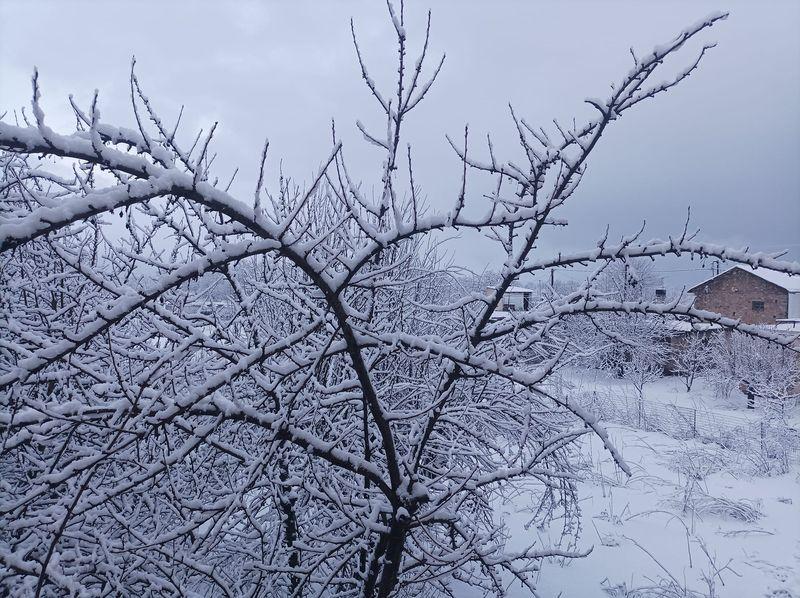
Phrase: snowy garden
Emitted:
{"points": [[709, 514], [239, 383], [692, 520]]}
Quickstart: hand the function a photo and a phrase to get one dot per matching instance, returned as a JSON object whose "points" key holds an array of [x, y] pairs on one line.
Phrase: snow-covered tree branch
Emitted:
{"points": [[288, 393]]}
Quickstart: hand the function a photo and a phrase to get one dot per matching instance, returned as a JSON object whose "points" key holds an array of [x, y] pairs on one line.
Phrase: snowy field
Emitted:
{"points": [[624, 518], [693, 517], [670, 390]]}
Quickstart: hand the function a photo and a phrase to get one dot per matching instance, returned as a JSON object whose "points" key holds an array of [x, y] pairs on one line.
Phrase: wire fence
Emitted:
{"points": [[767, 438]]}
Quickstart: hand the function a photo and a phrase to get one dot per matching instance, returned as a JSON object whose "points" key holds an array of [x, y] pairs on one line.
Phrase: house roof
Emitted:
{"points": [[781, 279], [515, 289], [679, 326], [790, 327]]}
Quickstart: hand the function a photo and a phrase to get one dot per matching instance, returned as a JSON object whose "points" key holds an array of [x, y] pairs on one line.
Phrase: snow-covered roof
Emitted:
{"points": [[515, 289], [687, 326], [791, 327], [783, 280]]}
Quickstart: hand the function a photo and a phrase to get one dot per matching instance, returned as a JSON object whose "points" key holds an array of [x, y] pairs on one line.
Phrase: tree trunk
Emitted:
{"points": [[392, 559], [290, 527]]}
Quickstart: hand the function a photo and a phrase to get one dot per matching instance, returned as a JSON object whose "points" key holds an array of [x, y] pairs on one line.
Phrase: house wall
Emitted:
{"points": [[733, 292], [794, 306]]}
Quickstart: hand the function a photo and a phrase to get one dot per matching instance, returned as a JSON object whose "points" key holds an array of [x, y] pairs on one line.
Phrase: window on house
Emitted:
{"points": [[661, 294], [758, 306]]}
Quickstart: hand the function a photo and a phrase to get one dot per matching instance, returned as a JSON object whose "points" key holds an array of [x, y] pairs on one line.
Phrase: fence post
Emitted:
{"points": [[763, 452], [694, 423]]}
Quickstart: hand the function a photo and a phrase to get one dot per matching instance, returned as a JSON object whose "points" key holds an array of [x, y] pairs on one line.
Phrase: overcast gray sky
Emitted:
{"points": [[726, 142]]}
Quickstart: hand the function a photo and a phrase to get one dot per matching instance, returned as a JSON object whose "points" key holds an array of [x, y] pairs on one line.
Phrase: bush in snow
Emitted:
{"points": [[637, 344], [769, 373], [691, 357]]}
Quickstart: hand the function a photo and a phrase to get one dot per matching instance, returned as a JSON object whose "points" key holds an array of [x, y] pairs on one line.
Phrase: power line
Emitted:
{"points": [[574, 269]]}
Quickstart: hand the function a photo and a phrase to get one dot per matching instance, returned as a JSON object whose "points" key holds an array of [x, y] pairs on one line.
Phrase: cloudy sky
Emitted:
{"points": [[726, 142]]}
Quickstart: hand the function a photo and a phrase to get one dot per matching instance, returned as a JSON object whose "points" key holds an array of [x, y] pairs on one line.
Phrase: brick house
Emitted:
{"points": [[754, 296]]}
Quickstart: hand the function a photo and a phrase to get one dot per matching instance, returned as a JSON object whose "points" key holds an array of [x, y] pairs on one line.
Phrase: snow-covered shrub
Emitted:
{"points": [[638, 344], [672, 585], [774, 446], [769, 376], [286, 393], [691, 357], [695, 500], [769, 372], [697, 462], [724, 371]]}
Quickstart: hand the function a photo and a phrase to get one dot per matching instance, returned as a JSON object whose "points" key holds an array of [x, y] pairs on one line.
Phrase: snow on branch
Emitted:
{"points": [[290, 393]]}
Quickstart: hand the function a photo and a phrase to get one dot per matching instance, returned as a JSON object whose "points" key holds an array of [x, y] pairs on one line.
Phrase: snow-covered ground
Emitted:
{"points": [[693, 515], [694, 519], [670, 390], [669, 408], [625, 518]]}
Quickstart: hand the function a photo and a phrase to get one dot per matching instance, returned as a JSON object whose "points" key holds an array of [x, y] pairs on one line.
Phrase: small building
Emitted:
{"points": [[754, 296], [514, 299]]}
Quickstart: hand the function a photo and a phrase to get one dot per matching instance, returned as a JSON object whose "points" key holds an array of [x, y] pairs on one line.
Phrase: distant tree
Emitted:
{"points": [[630, 279], [480, 282], [336, 424], [638, 347], [768, 373], [725, 371], [691, 357], [772, 373]]}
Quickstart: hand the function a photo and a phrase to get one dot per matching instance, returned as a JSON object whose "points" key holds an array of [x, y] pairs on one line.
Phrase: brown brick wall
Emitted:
{"points": [[733, 292]]}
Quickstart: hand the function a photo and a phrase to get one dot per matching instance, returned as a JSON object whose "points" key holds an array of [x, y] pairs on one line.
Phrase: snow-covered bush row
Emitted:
{"points": [[762, 369], [764, 445], [287, 393]]}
